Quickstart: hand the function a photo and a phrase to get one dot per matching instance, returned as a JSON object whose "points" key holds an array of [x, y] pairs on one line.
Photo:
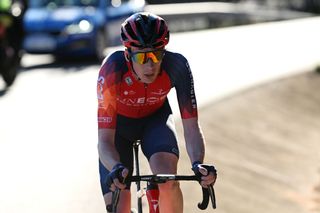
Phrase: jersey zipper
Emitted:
{"points": [[145, 96]]}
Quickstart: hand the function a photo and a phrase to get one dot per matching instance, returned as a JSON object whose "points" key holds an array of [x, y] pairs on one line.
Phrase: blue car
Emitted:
{"points": [[75, 28]]}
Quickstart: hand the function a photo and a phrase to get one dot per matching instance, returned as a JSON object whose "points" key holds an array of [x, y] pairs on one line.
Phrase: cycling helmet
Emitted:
{"points": [[144, 30]]}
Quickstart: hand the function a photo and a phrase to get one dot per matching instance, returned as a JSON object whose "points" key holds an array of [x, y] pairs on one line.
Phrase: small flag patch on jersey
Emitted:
{"points": [[128, 80]]}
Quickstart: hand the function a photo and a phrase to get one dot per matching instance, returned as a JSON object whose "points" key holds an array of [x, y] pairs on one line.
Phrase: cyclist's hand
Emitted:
{"points": [[207, 173], [115, 179]]}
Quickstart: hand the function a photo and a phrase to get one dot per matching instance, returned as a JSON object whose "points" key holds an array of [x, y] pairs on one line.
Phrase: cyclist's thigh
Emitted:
{"points": [[163, 163], [124, 147], [159, 134]]}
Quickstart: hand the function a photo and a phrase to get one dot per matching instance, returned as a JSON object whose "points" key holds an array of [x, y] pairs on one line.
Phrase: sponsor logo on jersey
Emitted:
{"points": [[101, 105], [175, 151], [141, 100], [128, 80], [104, 119], [100, 87], [192, 93], [160, 92], [130, 92]]}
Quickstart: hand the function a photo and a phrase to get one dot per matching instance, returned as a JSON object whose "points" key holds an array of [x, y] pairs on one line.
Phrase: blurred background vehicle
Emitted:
{"points": [[74, 28], [11, 36]]}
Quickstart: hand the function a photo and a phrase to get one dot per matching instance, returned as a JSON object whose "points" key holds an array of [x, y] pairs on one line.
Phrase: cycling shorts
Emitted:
{"points": [[156, 132]]}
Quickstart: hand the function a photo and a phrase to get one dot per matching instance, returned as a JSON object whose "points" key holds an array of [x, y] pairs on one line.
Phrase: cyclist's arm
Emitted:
{"points": [[195, 146], [107, 152], [184, 85], [194, 139], [109, 156], [107, 87]]}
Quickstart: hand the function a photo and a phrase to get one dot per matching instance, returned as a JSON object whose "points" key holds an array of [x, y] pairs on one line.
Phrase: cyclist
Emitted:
{"points": [[132, 93]]}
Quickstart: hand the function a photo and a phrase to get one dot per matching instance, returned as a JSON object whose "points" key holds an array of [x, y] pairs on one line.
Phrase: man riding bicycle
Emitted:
{"points": [[132, 94]]}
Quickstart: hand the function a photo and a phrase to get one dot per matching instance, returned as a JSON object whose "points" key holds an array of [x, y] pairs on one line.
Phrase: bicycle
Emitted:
{"points": [[152, 191]]}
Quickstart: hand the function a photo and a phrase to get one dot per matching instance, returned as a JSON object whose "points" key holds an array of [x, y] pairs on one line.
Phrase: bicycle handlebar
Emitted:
{"points": [[162, 178], [207, 193]]}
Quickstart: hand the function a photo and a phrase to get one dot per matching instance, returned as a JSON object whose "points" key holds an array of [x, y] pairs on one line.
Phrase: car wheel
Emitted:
{"points": [[9, 74], [10, 68], [100, 45]]}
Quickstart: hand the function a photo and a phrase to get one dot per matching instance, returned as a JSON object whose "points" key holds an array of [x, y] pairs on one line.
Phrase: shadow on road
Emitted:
{"points": [[3, 92]]}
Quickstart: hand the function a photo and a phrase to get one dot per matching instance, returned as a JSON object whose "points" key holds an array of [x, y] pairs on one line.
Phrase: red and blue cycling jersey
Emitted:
{"points": [[120, 92]]}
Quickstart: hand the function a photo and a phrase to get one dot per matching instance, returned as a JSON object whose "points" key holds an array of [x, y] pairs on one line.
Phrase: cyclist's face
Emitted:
{"points": [[148, 71]]}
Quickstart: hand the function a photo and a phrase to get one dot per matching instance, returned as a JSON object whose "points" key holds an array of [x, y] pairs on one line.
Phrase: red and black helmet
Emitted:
{"points": [[144, 30]]}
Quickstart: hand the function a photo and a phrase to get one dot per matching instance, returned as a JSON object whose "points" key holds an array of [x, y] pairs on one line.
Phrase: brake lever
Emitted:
{"points": [[207, 193], [112, 208], [212, 196]]}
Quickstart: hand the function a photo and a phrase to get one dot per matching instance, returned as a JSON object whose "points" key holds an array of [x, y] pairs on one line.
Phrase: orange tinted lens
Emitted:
{"points": [[153, 57], [156, 56], [139, 58]]}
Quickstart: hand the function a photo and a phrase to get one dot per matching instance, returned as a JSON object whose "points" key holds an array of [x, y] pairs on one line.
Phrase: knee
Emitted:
{"points": [[168, 187]]}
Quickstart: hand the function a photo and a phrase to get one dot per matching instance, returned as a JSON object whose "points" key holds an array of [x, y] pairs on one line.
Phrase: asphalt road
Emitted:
{"points": [[264, 142]]}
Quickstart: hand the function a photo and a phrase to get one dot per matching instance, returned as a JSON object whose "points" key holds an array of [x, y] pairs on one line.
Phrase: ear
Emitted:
{"points": [[126, 55]]}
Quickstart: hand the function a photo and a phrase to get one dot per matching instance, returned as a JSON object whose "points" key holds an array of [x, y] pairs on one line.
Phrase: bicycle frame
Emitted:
{"points": [[152, 191]]}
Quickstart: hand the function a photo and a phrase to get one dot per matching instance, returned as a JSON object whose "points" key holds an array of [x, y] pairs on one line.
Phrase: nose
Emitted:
{"points": [[150, 63]]}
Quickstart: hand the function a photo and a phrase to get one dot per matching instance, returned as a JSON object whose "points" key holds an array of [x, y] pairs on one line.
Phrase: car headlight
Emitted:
{"points": [[82, 26]]}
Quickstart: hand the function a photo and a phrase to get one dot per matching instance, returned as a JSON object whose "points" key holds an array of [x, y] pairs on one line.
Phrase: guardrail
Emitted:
{"points": [[204, 15]]}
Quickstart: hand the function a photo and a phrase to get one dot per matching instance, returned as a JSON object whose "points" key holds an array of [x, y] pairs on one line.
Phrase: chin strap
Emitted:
{"points": [[134, 72]]}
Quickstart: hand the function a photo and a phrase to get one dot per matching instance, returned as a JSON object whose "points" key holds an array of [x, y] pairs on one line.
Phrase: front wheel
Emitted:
{"points": [[9, 75]]}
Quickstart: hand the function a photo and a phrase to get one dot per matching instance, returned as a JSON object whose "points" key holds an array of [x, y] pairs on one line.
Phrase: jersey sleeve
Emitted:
{"points": [[182, 79], [107, 89]]}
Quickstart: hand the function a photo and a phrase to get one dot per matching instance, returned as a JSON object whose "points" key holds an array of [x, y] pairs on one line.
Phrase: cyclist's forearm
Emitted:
{"points": [[108, 154], [195, 148], [194, 140]]}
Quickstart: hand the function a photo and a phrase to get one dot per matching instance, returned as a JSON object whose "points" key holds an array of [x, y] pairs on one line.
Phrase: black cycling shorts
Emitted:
{"points": [[156, 132]]}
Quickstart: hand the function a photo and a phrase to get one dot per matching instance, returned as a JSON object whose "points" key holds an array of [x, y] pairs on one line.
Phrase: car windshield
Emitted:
{"points": [[61, 3]]}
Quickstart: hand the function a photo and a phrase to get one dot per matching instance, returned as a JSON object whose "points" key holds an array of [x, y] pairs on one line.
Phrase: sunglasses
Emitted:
{"points": [[143, 57]]}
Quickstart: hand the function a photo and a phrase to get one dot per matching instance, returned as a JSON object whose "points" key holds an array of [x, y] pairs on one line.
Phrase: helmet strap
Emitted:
{"points": [[134, 72], [127, 56]]}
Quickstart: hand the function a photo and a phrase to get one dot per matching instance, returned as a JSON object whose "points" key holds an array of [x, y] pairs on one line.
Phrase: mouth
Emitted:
{"points": [[149, 75], [150, 72]]}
